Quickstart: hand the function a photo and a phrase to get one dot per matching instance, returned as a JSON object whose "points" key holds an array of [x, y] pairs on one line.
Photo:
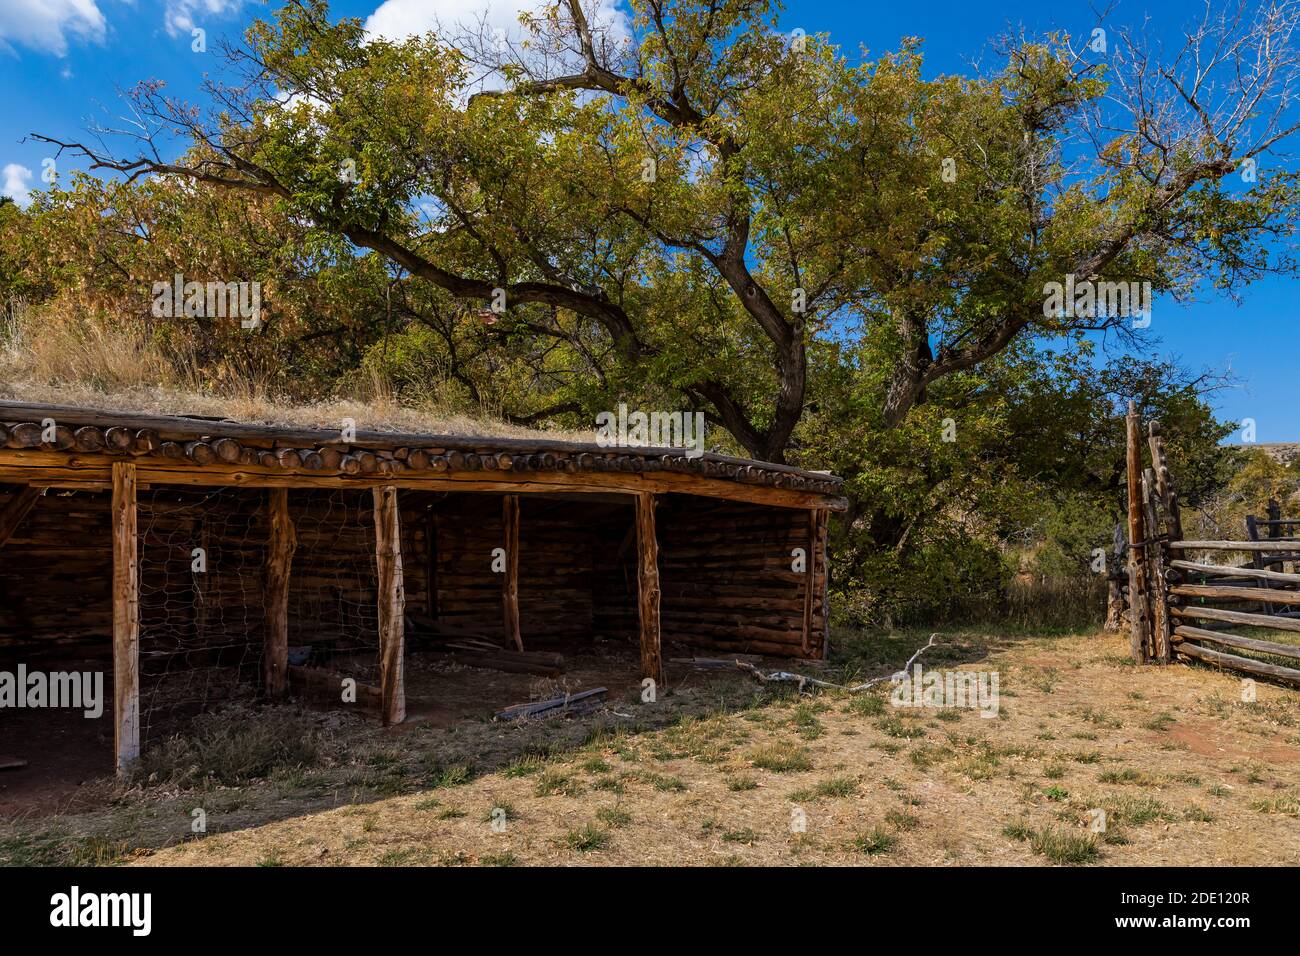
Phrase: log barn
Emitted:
{"points": [[172, 545]]}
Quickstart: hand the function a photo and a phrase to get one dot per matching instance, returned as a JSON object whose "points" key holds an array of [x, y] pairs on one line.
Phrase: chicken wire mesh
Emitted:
{"points": [[203, 567]]}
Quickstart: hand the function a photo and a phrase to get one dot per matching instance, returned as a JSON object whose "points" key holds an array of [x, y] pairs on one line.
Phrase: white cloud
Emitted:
{"points": [[17, 184], [46, 25], [397, 19], [182, 16]]}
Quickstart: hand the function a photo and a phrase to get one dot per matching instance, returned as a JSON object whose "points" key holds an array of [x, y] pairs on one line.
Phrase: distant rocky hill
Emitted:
{"points": [[1284, 451]]}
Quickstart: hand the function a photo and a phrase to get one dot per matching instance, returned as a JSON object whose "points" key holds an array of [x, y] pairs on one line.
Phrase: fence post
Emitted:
{"points": [[126, 618], [1139, 606], [1161, 632]]}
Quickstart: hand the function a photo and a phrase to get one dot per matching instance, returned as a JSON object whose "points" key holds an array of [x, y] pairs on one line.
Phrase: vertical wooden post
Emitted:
{"points": [[823, 589], [510, 582], [1161, 630], [1139, 613], [815, 577], [392, 605], [809, 582], [1114, 580], [279, 560], [648, 594], [431, 564], [1165, 486], [1275, 530], [126, 618]]}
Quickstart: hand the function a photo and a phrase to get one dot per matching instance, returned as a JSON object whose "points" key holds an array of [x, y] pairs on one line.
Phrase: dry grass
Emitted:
{"points": [[1080, 729], [86, 359]]}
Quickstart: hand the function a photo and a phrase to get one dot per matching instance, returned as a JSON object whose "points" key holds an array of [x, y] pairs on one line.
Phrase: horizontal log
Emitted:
{"points": [[48, 468], [1238, 617], [1266, 595], [1231, 571], [1236, 640], [1224, 545], [1244, 664]]}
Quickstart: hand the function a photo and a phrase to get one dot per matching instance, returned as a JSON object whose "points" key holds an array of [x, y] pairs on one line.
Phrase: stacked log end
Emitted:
{"points": [[341, 459]]}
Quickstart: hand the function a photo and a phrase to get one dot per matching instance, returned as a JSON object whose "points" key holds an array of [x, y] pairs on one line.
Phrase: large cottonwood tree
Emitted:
{"points": [[687, 202]]}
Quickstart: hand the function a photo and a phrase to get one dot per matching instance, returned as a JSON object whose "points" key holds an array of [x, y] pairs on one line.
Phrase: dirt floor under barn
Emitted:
{"points": [[67, 755], [721, 769]]}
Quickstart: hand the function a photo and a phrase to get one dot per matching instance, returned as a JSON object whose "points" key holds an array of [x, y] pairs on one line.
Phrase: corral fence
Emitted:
{"points": [[1191, 599]]}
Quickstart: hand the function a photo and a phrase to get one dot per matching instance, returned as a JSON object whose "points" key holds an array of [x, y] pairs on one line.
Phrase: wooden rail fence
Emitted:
{"points": [[1178, 588]]}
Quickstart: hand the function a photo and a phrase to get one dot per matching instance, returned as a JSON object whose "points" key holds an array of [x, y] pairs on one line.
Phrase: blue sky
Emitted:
{"points": [[62, 63]]}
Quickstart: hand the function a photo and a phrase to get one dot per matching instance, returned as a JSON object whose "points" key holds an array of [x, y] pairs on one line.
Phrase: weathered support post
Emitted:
{"points": [[648, 594], [510, 582], [1139, 608], [1165, 486], [1161, 630], [279, 560], [126, 619], [1115, 575], [431, 564], [824, 590], [1275, 529], [392, 605], [815, 578]]}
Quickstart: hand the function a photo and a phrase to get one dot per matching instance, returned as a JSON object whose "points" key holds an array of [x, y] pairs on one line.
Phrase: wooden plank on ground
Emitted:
{"points": [[537, 708]]}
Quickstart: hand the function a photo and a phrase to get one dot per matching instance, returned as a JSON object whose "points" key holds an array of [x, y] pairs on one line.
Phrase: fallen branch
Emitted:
{"points": [[786, 677], [905, 668]]}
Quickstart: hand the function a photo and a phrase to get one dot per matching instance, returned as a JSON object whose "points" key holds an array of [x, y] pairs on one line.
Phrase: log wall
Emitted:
{"points": [[727, 579], [725, 572], [55, 585]]}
